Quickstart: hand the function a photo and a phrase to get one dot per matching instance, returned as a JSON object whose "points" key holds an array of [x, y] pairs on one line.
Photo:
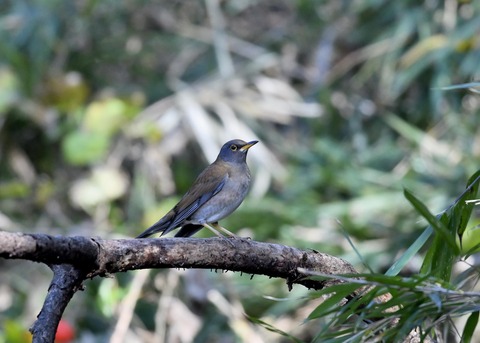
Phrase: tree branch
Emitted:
{"points": [[74, 259], [99, 257], [66, 281]]}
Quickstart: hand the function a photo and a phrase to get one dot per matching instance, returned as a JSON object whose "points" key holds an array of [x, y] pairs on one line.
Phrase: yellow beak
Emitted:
{"points": [[248, 145]]}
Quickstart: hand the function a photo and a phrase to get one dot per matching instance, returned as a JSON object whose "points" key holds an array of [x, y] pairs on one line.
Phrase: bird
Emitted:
{"points": [[215, 194]]}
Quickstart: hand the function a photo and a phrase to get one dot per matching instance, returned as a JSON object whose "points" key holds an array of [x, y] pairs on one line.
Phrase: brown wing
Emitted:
{"points": [[207, 185]]}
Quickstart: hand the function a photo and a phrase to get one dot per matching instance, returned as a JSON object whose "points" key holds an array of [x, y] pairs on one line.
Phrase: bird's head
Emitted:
{"points": [[235, 150]]}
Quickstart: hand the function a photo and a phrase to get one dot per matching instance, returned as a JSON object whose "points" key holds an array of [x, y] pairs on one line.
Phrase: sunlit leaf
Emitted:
{"points": [[106, 116], [471, 241], [462, 208], [422, 48]]}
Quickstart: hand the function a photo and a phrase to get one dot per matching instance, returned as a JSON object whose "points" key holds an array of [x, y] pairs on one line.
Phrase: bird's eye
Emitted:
{"points": [[233, 147]]}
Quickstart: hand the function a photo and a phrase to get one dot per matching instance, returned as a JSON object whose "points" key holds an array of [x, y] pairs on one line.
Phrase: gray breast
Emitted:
{"points": [[227, 200]]}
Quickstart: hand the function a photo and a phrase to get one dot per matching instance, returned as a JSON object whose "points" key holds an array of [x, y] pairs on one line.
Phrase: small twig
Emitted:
{"points": [[127, 306]]}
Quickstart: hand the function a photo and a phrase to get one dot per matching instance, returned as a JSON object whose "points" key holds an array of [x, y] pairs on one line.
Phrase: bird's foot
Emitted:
{"points": [[218, 234], [229, 240]]}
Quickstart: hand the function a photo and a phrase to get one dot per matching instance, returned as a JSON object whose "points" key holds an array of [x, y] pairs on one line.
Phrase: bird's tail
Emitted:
{"points": [[159, 226], [188, 230]]}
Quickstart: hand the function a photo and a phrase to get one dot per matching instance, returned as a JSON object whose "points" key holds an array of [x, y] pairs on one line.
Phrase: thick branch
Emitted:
{"points": [[80, 251], [73, 259], [99, 257]]}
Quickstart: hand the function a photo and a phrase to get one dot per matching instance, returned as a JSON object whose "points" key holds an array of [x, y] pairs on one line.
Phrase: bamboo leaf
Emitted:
{"points": [[338, 292], [412, 250], [272, 328], [436, 225], [462, 209], [440, 258], [470, 327], [465, 212]]}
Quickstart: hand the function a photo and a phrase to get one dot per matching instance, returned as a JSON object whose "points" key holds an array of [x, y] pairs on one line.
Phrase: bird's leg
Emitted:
{"points": [[221, 228], [212, 229], [216, 232]]}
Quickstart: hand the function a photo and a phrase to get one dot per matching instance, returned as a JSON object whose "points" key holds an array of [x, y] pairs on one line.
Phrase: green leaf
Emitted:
{"points": [[471, 241], [14, 189], [462, 210], [271, 328], [412, 250], [15, 332], [84, 147], [458, 215], [105, 116], [398, 281], [440, 259], [359, 255], [330, 305], [470, 327], [439, 227], [404, 128]]}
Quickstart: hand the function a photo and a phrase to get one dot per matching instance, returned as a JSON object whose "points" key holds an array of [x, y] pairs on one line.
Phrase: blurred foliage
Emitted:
{"points": [[352, 101], [424, 303]]}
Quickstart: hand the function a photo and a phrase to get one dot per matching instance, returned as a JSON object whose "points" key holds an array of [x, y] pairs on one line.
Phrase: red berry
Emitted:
{"points": [[65, 332]]}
